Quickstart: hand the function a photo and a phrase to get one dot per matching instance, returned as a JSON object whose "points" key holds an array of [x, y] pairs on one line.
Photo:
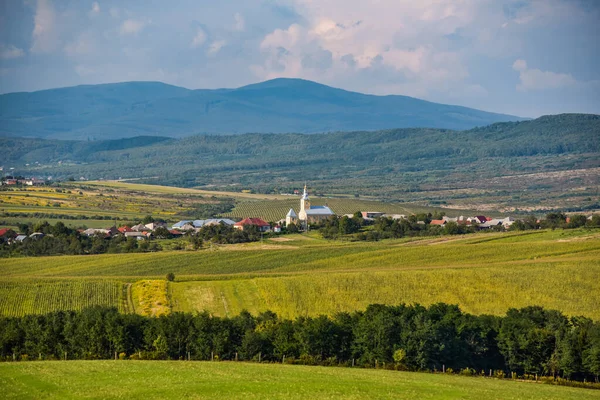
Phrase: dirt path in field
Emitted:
{"points": [[130, 303]]}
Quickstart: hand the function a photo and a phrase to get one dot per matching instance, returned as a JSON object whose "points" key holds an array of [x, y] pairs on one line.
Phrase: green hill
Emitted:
{"points": [[218, 380], [113, 111], [558, 153]]}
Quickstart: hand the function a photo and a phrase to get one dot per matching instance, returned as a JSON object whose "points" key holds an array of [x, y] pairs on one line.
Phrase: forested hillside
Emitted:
{"points": [[114, 111], [411, 163]]}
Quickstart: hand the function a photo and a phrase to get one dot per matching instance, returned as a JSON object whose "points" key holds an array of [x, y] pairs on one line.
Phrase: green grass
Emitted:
{"points": [[220, 380], [304, 275]]}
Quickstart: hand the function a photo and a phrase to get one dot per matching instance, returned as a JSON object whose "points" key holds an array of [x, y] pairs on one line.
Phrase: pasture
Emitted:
{"points": [[217, 380], [303, 275]]}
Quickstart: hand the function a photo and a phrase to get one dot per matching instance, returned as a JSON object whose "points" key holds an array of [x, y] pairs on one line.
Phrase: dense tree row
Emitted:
{"points": [[531, 340], [356, 228]]}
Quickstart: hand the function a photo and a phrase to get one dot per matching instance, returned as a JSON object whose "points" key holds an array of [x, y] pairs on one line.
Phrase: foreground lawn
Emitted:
{"points": [[206, 380]]}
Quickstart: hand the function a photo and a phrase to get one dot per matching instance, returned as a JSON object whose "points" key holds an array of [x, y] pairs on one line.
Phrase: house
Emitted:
{"points": [[124, 229], [491, 223], [139, 228], [277, 229], [36, 235], [480, 219], [175, 233], [34, 182], [395, 216], [20, 238], [98, 231], [136, 235], [153, 225], [218, 221], [179, 225], [372, 214], [507, 222], [310, 214], [259, 223], [439, 222]]}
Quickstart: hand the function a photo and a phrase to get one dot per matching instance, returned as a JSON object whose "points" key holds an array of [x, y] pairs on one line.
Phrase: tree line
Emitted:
{"points": [[357, 228], [525, 341], [59, 239]]}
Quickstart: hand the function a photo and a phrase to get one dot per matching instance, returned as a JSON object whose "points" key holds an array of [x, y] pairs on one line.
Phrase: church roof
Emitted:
{"points": [[319, 210], [291, 213]]}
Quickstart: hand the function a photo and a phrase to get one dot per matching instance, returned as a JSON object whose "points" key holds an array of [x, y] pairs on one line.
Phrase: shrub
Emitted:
{"points": [[170, 277]]}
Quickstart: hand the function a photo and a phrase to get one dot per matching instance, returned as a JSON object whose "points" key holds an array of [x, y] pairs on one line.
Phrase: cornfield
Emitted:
{"points": [[19, 298]]}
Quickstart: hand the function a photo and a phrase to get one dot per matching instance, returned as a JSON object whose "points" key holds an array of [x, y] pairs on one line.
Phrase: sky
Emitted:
{"points": [[520, 57]]}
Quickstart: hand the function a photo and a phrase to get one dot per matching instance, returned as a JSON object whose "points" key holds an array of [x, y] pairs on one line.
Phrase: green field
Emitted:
{"points": [[304, 275], [22, 297], [218, 380]]}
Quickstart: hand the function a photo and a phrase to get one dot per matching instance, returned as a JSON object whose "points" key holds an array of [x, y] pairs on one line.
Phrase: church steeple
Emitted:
{"points": [[304, 201]]}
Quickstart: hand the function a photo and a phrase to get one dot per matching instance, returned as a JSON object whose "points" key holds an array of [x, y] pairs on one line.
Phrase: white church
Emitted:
{"points": [[308, 214]]}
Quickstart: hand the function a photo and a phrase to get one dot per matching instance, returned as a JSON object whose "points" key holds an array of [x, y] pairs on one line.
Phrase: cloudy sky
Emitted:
{"points": [[523, 57]]}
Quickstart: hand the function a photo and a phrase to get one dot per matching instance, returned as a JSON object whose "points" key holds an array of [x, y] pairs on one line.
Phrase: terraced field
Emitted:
{"points": [[304, 275]]}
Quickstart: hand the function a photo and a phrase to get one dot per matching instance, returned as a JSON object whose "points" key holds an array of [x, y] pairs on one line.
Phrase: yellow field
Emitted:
{"points": [[304, 275]]}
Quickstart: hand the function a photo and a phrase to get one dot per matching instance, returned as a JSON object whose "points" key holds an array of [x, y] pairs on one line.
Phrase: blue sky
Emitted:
{"points": [[522, 57]]}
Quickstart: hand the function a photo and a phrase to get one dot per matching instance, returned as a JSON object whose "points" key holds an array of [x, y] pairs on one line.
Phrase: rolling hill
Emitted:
{"points": [[516, 164], [112, 111]]}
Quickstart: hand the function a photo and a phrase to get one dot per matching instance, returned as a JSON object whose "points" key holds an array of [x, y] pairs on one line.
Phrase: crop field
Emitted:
{"points": [[304, 275], [218, 380], [277, 209], [272, 207], [21, 297]]}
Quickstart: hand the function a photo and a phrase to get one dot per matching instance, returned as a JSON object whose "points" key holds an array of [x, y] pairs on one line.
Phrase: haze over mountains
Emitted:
{"points": [[112, 111]]}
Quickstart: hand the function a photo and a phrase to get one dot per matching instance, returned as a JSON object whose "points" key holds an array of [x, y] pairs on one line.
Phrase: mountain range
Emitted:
{"points": [[129, 109]]}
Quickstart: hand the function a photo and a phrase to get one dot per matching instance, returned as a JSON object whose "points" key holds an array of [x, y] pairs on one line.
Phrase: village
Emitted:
{"points": [[308, 217]]}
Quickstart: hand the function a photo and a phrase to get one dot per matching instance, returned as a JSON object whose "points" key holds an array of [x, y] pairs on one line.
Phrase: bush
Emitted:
{"points": [[170, 277]]}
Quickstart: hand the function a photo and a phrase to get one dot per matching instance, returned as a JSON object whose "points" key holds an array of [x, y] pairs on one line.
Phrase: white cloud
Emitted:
{"points": [[216, 46], [406, 39], [81, 46], [44, 36], [199, 39], [240, 23], [95, 7], [10, 51], [535, 79], [132, 26]]}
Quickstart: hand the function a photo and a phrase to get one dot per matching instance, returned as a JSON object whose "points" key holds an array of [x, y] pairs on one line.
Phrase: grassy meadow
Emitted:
{"points": [[304, 275], [217, 380]]}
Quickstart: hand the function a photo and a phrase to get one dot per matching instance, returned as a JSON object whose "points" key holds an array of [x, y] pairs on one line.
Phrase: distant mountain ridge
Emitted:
{"points": [[129, 109]]}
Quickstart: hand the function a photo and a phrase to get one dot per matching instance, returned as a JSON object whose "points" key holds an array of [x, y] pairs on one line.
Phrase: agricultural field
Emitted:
{"points": [[218, 380], [273, 207], [296, 275], [276, 210], [22, 297], [107, 203]]}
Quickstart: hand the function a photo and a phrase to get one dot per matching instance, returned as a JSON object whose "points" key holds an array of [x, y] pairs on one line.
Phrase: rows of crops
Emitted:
{"points": [[300, 254], [274, 210], [19, 298], [573, 288]]}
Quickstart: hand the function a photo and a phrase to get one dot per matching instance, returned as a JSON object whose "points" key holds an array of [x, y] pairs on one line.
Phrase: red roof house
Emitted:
{"points": [[437, 222], [262, 225], [124, 229]]}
